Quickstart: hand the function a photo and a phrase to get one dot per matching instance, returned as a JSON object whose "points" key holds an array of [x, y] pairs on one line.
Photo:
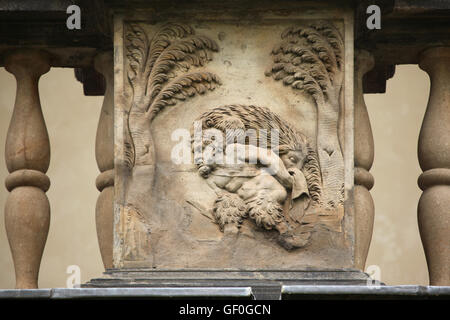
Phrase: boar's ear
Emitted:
{"points": [[299, 200], [300, 187]]}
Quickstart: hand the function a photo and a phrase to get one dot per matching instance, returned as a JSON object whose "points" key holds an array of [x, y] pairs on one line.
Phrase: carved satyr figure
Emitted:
{"points": [[274, 181], [309, 59]]}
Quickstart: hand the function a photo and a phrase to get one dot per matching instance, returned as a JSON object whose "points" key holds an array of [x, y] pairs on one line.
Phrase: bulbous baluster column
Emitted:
{"points": [[104, 152], [434, 159], [364, 154], [27, 154]]}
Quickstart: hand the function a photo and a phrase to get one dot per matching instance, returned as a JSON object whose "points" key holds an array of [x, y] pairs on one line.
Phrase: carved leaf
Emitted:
{"points": [[136, 51], [334, 38], [182, 54], [129, 151], [152, 68], [137, 48], [163, 39], [309, 58], [152, 65], [183, 87]]}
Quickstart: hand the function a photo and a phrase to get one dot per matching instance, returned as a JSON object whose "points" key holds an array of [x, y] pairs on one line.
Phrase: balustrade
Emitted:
{"points": [[104, 153], [27, 152], [434, 159], [364, 154], [27, 155]]}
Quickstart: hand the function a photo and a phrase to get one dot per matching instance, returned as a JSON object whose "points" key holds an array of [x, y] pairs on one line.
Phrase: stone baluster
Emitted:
{"points": [[364, 154], [104, 152], [27, 155], [434, 159]]}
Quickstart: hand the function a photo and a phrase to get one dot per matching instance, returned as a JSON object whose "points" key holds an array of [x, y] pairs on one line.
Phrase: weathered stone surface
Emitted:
{"points": [[365, 292], [27, 155], [155, 293], [288, 292], [25, 293], [364, 154], [130, 293], [434, 158], [289, 73], [104, 153], [265, 284]]}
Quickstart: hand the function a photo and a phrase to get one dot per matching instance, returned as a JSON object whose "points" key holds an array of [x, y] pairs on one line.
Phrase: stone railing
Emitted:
{"points": [[27, 153], [27, 52]]}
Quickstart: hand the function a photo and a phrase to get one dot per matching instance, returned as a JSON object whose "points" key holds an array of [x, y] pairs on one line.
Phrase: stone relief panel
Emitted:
{"points": [[232, 147]]}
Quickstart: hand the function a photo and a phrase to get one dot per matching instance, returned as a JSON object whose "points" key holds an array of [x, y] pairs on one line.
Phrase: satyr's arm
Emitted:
{"points": [[252, 154]]}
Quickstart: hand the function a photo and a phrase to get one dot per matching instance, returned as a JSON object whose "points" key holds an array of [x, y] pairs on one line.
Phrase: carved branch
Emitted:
{"points": [[182, 88]]}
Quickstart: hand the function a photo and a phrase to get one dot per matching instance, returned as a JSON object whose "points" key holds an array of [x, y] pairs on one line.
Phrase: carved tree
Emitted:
{"points": [[310, 58], [157, 71]]}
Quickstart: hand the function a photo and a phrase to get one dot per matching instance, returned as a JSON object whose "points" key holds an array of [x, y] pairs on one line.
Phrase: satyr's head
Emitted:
{"points": [[293, 156], [293, 159], [301, 162]]}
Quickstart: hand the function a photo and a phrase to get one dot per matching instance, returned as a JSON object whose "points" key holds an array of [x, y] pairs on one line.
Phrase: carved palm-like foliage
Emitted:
{"points": [[309, 58], [158, 72]]}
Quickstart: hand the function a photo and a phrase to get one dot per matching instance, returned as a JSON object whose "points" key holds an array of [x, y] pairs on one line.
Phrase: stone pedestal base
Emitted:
{"points": [[264, 284]]}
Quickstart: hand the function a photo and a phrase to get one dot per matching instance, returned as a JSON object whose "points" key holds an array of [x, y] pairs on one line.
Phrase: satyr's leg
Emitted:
{"points": [[229, 211]]}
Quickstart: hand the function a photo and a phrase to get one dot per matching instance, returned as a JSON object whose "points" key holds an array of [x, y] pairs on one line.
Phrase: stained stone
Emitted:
{"points": [[307, 292], [196, 84]]}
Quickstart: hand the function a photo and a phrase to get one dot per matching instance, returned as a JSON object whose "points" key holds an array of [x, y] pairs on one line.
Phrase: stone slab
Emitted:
{"points": [[288, 292], [129, 293], [265, 284], [156, 293], [25, 293], [178, 206]]}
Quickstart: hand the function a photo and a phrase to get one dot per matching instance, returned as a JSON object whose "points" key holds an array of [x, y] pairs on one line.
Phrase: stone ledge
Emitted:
{"points": [[127, 293], [265, 284], [25, 293], [291, 292], [288, 292]]}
